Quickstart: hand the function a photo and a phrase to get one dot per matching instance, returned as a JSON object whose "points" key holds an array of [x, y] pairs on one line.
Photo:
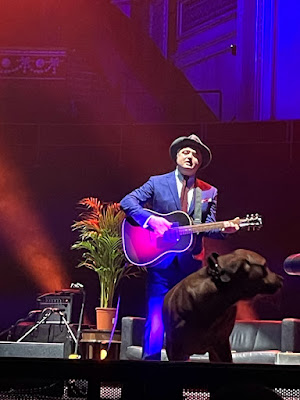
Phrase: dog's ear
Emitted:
{"points": [[216, 271], [213, 268]]}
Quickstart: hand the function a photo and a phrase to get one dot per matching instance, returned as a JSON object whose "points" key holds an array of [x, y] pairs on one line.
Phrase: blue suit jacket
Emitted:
{"points": [[160, 194]]}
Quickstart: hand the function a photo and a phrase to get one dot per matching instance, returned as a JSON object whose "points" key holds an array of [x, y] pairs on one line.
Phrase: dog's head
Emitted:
{"points": [[246, 270]]}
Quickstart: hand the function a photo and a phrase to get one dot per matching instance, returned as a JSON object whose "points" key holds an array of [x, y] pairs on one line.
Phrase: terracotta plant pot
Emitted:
{"points": [[105, 318]]}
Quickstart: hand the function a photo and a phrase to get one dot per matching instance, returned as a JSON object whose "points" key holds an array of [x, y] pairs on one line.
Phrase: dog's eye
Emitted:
{"points": [[263, 268]]}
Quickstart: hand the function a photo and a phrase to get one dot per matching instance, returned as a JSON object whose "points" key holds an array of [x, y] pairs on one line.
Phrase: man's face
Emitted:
{"points": [[189, 160]]}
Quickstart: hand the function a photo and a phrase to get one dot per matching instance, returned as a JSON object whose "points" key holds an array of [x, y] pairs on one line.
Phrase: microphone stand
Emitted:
{"points": [[75, 354]]}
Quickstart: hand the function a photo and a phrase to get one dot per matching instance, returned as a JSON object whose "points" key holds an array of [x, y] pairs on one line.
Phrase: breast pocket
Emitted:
{"points": [[205, 206], [206, 203]]}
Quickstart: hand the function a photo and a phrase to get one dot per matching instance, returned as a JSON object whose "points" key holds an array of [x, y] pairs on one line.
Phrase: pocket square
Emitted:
{"points": [[206, 200]]}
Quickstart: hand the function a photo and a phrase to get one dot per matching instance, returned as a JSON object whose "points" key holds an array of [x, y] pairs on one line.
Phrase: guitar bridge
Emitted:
{"points": [[172, 235]]}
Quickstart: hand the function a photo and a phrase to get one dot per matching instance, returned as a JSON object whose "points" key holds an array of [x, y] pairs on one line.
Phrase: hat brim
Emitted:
{"points": [[185, 141]]}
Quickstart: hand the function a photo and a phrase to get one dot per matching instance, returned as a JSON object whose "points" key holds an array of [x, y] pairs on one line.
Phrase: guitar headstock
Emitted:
{"points": [[251, 221]]}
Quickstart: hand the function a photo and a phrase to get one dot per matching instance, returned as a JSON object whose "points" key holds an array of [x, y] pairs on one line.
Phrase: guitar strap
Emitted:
{"points": [[198, 204]]}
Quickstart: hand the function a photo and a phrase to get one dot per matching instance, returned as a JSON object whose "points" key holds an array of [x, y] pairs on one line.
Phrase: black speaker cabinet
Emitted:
{"points": [[46, 334], [35, 350], [68, 301]]}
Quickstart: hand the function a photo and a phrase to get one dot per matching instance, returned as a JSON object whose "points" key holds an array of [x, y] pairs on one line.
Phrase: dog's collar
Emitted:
{"points": [[218, 275]]}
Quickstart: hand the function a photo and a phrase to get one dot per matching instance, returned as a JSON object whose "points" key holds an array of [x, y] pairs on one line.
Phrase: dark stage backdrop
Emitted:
{"points": [[80, 85], [255, 166]]}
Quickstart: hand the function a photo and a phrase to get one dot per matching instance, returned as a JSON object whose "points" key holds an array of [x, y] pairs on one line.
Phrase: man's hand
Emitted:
{"points": [[159, 224], [230, 227]]}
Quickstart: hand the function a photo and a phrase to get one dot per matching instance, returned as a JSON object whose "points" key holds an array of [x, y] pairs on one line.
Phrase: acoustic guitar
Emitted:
{"points": [[144, 248]]}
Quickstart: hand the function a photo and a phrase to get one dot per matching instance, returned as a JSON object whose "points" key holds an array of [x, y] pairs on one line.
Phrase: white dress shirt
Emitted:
{"points": [[179, 182], [190, 185]]}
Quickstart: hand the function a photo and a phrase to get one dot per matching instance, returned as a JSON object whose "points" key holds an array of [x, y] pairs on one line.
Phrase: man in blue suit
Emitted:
{"points": [[177, 190]]}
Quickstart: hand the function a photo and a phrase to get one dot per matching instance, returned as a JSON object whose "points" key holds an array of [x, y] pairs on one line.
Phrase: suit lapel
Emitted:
{"points": [[198, 186], [173, 189]]}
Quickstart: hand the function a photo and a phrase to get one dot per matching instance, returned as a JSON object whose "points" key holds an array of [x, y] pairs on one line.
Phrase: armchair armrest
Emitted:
{"points": [[132, 330], [290, 335]]}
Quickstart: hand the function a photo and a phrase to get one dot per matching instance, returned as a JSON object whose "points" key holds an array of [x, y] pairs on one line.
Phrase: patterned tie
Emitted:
{"points": [[184, 194]]}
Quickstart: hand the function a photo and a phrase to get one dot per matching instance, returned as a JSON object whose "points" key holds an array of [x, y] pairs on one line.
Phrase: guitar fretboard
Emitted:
{"points": [[185, 230]]}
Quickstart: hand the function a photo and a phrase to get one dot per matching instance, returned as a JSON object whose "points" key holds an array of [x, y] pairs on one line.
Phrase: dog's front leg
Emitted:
{"points": [[175, 352], [221, 352]]}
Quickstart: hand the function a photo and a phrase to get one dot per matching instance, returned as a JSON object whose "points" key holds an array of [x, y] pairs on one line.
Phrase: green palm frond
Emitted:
{"points": [[100, 242], [86, 225]]}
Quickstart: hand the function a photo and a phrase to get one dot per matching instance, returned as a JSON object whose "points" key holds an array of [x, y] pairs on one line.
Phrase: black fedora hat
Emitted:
{"points": [[191, 141]]}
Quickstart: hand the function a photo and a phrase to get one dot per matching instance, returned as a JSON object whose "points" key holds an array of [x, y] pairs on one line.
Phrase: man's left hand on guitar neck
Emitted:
{"points": [[230, 227]]}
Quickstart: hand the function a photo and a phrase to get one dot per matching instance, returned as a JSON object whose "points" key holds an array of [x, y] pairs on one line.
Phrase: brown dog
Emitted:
{"points": [[199, 312]]}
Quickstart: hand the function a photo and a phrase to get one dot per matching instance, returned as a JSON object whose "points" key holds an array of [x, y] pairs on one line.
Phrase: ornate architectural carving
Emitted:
{"points": [[32, 64], [158, 25], [195, 14]]}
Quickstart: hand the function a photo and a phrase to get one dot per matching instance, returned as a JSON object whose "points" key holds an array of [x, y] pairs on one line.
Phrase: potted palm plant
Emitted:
{"points": [[100, 241]]}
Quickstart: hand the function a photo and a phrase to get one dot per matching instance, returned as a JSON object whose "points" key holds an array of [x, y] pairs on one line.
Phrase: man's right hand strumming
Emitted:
{"points": [[159, 224]]}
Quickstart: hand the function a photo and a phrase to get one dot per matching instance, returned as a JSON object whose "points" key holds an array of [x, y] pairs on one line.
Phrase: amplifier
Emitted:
{"points": [[45, 333], [68, 301]]}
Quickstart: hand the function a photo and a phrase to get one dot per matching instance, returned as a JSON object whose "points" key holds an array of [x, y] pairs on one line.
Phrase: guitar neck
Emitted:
{"points": [[184, 230]]}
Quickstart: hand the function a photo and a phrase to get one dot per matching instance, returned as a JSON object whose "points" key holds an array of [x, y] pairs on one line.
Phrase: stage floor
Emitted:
{"points": [[42, 378]]}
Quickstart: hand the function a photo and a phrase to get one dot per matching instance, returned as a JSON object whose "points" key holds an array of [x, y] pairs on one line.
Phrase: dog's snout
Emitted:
{"points": [[272, 277], [279, 279], [273, 282]]}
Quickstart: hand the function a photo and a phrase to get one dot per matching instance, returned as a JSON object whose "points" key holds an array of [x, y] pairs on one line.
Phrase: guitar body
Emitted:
{"points": [[144, 248]]}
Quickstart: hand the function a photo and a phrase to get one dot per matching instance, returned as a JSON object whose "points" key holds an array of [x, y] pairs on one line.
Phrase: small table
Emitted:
{"points": [[94, 345]]}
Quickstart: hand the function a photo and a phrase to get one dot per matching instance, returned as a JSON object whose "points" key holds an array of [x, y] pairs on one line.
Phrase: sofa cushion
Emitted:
{"points": [[288, 358], [252, 357], [255, 341], [256, 336], [135, 353], [255, 357]]}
